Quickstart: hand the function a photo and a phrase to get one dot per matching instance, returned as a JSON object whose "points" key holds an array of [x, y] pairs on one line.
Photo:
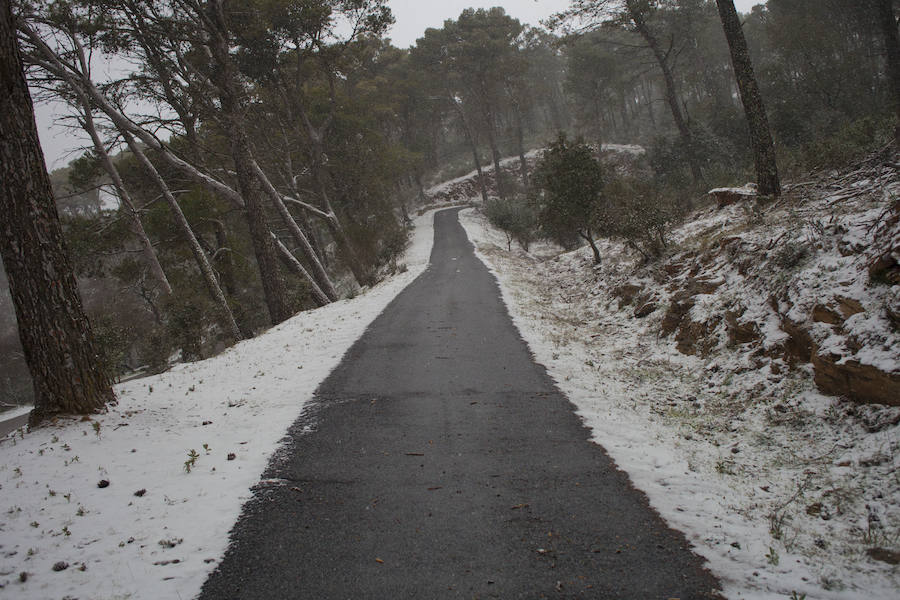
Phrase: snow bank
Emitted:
{"points": [[138, 502]]}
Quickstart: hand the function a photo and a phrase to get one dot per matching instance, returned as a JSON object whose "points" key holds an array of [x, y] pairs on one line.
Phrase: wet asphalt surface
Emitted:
{"points": [[444, 463]]}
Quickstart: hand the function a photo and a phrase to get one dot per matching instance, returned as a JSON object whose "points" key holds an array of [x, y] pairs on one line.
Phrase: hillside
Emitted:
{"points": [[743, 380]]}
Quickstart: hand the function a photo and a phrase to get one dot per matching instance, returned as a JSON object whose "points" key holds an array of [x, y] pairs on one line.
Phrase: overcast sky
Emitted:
{"points": [[413, 18]]}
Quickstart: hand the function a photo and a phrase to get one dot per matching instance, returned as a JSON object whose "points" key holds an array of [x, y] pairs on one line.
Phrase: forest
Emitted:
{"points": [[252, 160]]}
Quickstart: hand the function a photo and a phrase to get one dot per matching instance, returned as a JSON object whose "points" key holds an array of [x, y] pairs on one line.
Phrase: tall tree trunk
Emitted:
{"points": [[361, 273], [225, 78], [134, 217], [56, 336], [470, 137], [671, 92], [495, 151], [888, 24], [520, 140], [184, 228], [760, 136]]}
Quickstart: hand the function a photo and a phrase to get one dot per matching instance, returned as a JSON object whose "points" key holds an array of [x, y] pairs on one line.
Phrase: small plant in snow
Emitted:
{"points": [[796, 596], [96, 426], [191, 461], [206, 448], [66, 531], [772, 557], [776, 525]]}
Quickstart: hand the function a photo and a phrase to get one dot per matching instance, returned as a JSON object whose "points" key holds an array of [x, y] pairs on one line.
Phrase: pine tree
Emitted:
{"points": [[760, 137], [55, 333]]}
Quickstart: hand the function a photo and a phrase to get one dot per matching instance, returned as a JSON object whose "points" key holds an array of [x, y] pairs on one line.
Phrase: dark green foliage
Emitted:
{"points": [[569, 198], [515, 217], [114, 341]]}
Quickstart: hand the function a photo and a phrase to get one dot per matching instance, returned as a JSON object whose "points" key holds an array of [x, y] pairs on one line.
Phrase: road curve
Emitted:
{"points": [[444, 463]]}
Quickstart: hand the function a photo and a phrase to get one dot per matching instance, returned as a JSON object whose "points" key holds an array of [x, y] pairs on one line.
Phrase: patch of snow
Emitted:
{"points": [[179, 455]]}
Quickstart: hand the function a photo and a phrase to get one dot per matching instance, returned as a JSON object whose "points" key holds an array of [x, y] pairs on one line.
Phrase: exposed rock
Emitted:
{"points": [[799, 346], [885, 268], [848, 306], [856, 381], [626, 293], [673, 268], [740, 333], [678, 309], [884, 555], [892, 310], [645, 309], [696, 338], [727, 196], [823, 314]]}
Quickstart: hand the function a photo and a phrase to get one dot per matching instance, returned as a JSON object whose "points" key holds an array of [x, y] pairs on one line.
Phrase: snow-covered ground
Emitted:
{"points": [[138, 502], [782, 490]]}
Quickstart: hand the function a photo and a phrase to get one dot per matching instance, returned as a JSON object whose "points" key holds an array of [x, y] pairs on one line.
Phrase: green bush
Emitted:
{"points": [[514, 217]]}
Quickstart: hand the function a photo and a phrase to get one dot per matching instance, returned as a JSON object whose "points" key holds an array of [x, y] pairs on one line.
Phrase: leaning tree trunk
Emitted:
{"points": [[225, 78], [892, 54], [671, 92], [184, 228], [56, 336], [131, 212], [760, 136]]}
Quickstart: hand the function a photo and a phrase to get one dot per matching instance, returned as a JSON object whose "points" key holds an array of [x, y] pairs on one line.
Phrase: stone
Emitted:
{"points": [[626, 293], [858, 382], [885, 268], [727, 196], [799, 346], [644, 310], [823, 314], [884, 555], [848, 306], [678, 309], [740, 333], [695, 338]]}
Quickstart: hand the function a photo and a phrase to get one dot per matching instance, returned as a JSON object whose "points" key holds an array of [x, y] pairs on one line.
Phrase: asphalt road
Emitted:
{"points": [[444, 463]]}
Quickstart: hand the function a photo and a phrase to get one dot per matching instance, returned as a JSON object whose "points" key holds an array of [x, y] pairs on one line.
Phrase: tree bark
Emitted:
{"points": [[684, 131], [184, 228], [495, 151], [520, 140], [888, 24], [56, 336], [760, 136], [470, 136], [292, 263], [134, 218], [225, 77], [586, 235]]}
